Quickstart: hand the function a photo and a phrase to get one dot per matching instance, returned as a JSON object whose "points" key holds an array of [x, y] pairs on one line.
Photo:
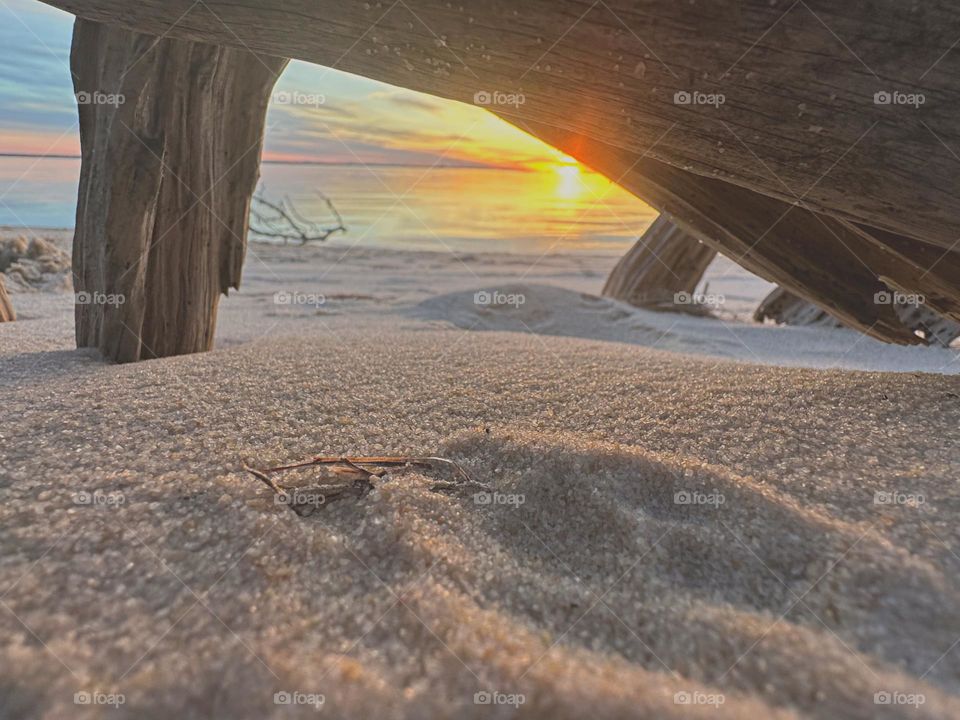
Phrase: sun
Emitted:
{"points": [[567, 166], [570, 183]]}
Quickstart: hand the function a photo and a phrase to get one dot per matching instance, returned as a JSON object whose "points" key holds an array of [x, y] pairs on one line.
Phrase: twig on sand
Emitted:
{"points": [[377, 460], [306, 501], [368, 467], [268, 481]]}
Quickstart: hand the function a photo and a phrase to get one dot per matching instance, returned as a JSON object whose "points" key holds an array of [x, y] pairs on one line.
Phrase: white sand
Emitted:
{"points": [[598, 596]]}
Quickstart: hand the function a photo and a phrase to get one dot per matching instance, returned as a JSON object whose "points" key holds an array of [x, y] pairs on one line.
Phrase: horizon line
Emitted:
{"points": [[442, 166]]}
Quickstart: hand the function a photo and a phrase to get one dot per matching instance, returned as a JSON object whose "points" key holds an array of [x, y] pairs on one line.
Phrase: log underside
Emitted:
{"points": [[166, 179], [665, 263], [809, 185]]}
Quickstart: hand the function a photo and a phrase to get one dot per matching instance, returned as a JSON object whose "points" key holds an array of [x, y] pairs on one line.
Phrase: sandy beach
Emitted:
{"points": [[690, 517]]}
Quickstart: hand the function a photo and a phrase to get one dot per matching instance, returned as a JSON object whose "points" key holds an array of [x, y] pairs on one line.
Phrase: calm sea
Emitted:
{"points": [[563, 209]]}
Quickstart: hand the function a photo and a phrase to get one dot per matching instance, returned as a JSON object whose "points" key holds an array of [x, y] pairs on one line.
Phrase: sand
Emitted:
{"points": [[814, 575]]}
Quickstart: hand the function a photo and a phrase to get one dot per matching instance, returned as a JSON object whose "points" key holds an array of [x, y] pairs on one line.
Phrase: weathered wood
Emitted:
{"points": [[814, 256], [664, 262], [785, 308], [916, 268], [799, 80], [171, 133], [7, 313], [933, 326]]}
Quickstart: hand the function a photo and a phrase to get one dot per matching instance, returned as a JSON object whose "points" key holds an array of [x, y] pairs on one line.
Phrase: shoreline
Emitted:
{"points": [[295, 290]]}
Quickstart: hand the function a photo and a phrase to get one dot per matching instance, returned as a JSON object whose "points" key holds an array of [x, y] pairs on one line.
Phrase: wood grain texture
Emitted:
{"points": [[664, 262], [168, 170], [799, 81]]}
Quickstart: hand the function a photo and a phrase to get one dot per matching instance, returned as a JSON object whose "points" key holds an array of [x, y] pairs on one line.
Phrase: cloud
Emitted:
{"points": [[358, 119], [411, 101]]}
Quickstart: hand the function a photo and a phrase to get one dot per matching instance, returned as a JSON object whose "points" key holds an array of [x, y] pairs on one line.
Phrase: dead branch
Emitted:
{"points": [[283, 221]]}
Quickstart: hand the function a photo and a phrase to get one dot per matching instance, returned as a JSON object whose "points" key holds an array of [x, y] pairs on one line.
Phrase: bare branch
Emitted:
{"points": [[285, 222]]}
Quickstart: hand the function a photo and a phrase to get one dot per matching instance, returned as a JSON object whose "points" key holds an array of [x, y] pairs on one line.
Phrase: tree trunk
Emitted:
{"points": [[171, 133], [847, 104], [663, 263], [7, 313]]}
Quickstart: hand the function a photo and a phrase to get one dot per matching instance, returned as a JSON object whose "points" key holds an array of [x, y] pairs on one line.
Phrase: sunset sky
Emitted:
{"points": [[358, 119]]}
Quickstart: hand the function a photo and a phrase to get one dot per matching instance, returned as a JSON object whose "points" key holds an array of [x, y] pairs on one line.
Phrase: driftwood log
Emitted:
{"points": [[716, 113], [171, 133], [646, 77], [664, 262], [7, 313], [785, 308]]}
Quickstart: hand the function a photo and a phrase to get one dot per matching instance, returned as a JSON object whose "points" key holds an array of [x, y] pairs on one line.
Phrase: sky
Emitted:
{"points": [[335, 116]]}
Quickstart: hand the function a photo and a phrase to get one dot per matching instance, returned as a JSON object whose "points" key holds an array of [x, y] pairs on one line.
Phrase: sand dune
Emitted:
{"points": [[674, 534]]}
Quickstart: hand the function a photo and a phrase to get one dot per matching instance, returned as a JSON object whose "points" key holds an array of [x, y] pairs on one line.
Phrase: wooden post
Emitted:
{"points": [[664, 262], [7, 313], [171, 133]]}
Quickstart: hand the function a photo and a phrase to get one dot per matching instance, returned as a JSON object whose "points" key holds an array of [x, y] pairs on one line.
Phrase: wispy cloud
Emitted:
{"points": [[376, 122]]}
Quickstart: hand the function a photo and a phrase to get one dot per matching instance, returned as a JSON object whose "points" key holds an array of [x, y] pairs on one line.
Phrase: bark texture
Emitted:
{"points": [[821, 99], [171, 133], [7, 313], [664, 262]]}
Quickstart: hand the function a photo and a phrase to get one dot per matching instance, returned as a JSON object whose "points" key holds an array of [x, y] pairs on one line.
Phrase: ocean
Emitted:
{"points": [[564, 209]]}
